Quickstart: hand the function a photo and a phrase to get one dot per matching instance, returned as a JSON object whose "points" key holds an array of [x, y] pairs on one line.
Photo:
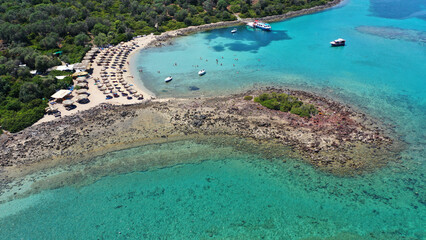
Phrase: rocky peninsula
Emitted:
{"points": [[338, 140]]}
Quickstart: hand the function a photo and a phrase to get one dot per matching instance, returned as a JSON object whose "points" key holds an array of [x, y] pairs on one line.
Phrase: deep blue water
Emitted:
{"points": [[225, 194]]}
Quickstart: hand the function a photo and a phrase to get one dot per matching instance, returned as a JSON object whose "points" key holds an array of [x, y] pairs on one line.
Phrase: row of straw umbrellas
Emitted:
{"points": [[112, 79], [82, 94]]}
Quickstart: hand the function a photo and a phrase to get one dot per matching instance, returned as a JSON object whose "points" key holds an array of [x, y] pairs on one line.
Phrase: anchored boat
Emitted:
{"points": [[259, 24], [202, 72], [338, 42], [168, 79]]}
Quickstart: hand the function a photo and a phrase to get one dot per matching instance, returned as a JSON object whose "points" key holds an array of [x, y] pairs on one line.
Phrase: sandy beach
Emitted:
{"points": [[97, 97]]}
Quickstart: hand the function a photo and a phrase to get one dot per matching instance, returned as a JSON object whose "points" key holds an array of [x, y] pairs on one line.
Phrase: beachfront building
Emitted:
{"points": [[60, 95]]}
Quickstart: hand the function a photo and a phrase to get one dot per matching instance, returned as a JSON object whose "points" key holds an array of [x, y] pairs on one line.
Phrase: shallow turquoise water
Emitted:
{"points": [[237, 197], [242, 196]]}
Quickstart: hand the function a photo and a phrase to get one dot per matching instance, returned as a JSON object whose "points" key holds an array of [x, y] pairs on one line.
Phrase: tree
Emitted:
{"points": [[222, 4], [49, 42], [100, 28], [42, 63], [81, 39], [29, 91], [181, 15], [100, 40]]}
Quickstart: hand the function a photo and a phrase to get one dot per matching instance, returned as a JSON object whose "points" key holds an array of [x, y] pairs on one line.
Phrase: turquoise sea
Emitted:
{"points": [[223, 193]]}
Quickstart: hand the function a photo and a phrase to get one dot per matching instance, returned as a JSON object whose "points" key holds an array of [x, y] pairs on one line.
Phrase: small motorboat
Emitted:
{"points": [[234, 30], [168, 79], [338, 42], [202, 72]]}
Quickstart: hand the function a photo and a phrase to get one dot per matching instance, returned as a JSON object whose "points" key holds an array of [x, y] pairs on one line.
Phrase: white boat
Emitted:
{"points": [[168, 79], [234, 30], [338, 42], [259, 24], [202, 72]]}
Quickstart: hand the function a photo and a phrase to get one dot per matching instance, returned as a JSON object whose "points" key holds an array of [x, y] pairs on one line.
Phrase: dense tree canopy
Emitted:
{"points": [[31, 31]]}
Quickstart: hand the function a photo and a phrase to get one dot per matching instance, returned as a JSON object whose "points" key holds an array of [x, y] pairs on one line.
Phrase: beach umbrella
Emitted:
{"points": [[121, 90], [103, 88], [79, 74], [68, 102], [82, 97], [114, 91], [81, 91], [100, 85], [106, 92], [108, 85], [82, 85], [110, 88], [81, 79]]}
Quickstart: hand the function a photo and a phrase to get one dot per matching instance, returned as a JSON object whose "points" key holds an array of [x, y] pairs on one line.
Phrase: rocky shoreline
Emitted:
{"points": [[161, 39]]}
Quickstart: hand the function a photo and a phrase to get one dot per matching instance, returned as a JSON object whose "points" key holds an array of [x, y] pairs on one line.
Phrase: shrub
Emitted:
{"points": [[284, 103], [271, 104], [248, 98], [300, 111], [285, 107]]}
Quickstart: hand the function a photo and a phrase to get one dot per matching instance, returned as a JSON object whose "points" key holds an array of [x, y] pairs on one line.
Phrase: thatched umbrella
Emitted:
{"points": [[81, 91], [83, 85], [68, 102], [81, 79], [82, 97]]}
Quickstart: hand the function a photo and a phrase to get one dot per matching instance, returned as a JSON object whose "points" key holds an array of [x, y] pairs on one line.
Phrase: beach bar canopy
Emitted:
{"points": [[61, 94]]}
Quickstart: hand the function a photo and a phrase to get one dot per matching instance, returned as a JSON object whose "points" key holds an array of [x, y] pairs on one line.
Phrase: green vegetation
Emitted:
{"points": [[39, 34], [248, 98], [286, 103], [23, 99]]}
